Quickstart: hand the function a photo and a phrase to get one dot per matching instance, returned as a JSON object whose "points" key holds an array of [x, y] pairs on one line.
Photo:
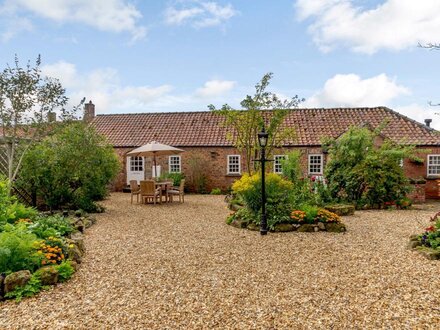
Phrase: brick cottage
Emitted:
{"points": [[203, 138]]}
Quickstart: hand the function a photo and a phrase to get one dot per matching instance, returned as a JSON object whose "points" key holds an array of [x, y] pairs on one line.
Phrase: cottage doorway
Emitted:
{"points": [[135, 169]]}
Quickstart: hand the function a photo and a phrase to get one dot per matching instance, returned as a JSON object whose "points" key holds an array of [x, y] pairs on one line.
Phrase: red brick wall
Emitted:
{"points": [[215, 162], [414, 170]]}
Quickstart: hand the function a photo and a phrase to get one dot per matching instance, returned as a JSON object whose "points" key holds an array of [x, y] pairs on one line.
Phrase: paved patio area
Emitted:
{"points": [[181, 267]]}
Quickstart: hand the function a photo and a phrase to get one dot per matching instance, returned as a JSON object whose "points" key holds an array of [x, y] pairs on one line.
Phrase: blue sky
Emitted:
{"points": [[152, 56]]}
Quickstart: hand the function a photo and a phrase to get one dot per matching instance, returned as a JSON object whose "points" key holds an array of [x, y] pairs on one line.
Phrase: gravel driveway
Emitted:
{"points": [[180, 266]]}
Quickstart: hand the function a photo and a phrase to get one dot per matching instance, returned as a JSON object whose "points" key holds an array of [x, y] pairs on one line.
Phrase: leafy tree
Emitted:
{"points": [[291, 166], [362, 173], [26, 99], [72, 167], [246, 123]]}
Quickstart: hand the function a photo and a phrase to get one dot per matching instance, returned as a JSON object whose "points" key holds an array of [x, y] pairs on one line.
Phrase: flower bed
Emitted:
{"points": [[428, 243], [37, 250], [311, 220], [290, 206]]}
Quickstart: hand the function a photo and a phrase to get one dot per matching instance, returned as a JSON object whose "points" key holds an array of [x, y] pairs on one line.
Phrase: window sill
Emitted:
{"points": [[233, 174], [432, 177]]}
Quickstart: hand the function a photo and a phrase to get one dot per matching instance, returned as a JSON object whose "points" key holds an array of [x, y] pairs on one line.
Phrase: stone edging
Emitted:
{"points": [[286, 227]]}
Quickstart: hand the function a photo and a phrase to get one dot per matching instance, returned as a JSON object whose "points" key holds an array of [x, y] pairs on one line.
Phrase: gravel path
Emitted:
{"points": [[181, 267]]}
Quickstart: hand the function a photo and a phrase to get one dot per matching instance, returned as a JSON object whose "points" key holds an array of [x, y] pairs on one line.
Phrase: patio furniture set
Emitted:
{"points": [[154, 192]]}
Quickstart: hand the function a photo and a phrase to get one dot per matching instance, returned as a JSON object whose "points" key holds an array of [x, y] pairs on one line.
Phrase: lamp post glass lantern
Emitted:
{"points": [[262, 140]]}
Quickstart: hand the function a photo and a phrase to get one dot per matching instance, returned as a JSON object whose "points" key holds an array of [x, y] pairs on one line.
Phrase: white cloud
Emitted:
{"points": [[214, 88], [178, 17], [104, 88], [199, 14], [392, 25], [349, 90], [105, 15], [14, 27]]}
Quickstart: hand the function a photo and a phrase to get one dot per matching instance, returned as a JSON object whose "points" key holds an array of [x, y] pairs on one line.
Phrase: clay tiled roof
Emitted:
{"points": [[204, 128]]}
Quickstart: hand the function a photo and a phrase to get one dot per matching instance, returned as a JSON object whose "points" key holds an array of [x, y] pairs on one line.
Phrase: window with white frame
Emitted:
{"points": [[174, 164], [277, 163], [136, 164], [316, 164], [234, 164], [433, 167]]}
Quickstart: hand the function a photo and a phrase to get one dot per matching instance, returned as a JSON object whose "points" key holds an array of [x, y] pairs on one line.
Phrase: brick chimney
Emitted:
{"points": [[89, 112], [51, 117], [428, 122]]}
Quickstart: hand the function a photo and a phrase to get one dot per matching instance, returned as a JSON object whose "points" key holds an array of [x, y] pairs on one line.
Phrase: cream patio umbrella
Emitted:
{"points": [[154, 149]]}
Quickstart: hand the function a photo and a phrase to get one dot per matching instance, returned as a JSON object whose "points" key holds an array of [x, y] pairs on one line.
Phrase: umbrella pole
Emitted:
{"points": [[155, 167]]}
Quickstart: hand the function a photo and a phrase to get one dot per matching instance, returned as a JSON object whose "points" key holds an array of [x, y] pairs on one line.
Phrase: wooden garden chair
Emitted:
{"points": [[178, 191], [149, 192], [135, 190]]}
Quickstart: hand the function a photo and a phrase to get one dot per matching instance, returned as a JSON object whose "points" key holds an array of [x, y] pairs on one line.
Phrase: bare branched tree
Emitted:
{"points": [[431, 46]]}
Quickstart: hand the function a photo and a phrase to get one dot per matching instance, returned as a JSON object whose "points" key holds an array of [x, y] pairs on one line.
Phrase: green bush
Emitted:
{"points": [[17, 249], [51, 226], [322, 193], [278, 192], [65, 271], [302, 193], [216, 191], [291, 166], [361, 173], [242, 214], [72, 168], [311, 213], [176, 177], [10, 209]]}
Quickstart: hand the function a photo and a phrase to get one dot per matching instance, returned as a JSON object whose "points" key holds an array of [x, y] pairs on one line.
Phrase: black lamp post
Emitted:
{"points": [[262, 140]]}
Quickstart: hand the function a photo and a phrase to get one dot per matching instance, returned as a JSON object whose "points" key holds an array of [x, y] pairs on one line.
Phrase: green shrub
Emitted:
{"points": [[65, 271], [404, 203], [51, 226], [244, 215], [311, 213], [278, 192], [216, 191], [302, 194], [10, 209], [176, 177], [72, 168], [30, 289], [17, 249], [361, 173], [322, 193], [291, 166]]}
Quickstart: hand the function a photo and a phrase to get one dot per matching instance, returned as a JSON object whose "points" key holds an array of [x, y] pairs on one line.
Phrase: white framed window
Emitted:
{"points": [[174, 164], [277, 160], [316, 163], [433, 168], [136, 164], [234, 166]]}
